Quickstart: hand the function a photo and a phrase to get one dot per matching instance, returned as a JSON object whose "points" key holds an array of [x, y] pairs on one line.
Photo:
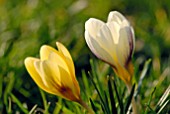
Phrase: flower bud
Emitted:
{"points": [[112, 42], [54, 72]]}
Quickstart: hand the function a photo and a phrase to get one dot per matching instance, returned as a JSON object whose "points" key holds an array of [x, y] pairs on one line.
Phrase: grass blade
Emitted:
{"points": [[118, 98], [129, 99], [163, 100], [148, 104], [33, 109], [100, 96], [106, 102], [93, 106], [112, 101], [20, 105], [163, 106], [142, 76]]}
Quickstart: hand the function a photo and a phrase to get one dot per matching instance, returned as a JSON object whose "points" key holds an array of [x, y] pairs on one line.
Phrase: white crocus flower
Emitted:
{"points": [[112, 42]]}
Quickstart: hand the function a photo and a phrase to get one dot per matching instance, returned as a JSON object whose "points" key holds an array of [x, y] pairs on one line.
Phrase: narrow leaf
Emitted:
{"points": [[113, 107], [46, 105], [148, 104], [93, 106], [20, 105], [163, 100], [142, 76], [102, 101], [118, 98], [129, 99], [106, 102]]}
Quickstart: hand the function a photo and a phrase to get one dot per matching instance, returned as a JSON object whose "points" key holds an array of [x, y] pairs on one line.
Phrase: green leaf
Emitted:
{"points": [[148, 104], [163, 101], [100, 96], [46, 105], [33, 109], [106, 102], [94, 74], [64, 109], [86, 89], [129, 99], [20, 105], [118, 98], [112, 101], [58, 108], [8, 89], [142, 76], [93, 105]]}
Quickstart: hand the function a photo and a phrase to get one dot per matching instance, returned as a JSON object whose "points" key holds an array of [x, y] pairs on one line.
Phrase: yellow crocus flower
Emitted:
{"points": [[112, 42], [54, 72]]}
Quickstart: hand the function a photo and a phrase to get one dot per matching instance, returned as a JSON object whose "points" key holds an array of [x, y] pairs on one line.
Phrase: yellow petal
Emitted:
{"points": [[39, 68], [52, 73], [45, 51], [60, 78], [123, 74], [68, 57], [29, 64], [48, 77], [63, 74]]}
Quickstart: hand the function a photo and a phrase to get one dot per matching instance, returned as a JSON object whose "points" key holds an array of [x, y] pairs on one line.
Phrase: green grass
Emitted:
{"points": [[25, 25]]}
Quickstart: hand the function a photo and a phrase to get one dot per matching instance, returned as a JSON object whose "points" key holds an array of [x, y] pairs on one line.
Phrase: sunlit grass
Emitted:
{"points": [[26, 25]]}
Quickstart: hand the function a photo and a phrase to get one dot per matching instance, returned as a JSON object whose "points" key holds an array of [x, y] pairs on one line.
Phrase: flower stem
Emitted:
{"points": [[134, 103], [82, 103]]}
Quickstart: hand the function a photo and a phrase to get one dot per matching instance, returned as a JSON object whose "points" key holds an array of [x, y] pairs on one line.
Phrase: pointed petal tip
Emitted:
{"points": [[58, 43], [43, 47], [29, 59], [89, 22], [114, 12]]}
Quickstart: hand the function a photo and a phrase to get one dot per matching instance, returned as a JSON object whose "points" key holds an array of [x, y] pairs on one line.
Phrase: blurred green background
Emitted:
{"points": [[25, 25]]}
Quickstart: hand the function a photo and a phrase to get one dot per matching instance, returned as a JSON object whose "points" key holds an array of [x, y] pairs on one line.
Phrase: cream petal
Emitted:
{"points": [[105, 37], [123, 47], [125, 23], [45, 51], [89, 43], [98, 50], [106, 41], [93, 26], [132, 40], [68, 57], [114, 30], [29, 63], [116, 16]]}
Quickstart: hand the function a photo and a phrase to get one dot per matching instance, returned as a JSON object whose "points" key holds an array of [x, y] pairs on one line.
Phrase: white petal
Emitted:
{"points": [[114, 29], [116, 16], [133, 39], [88, 41], [98, 49], [93, 26], [123, 47]]}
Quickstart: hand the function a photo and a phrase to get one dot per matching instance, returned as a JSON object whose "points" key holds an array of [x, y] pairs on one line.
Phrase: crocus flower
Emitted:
{"points": [[112, 42], [54, 72]]}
